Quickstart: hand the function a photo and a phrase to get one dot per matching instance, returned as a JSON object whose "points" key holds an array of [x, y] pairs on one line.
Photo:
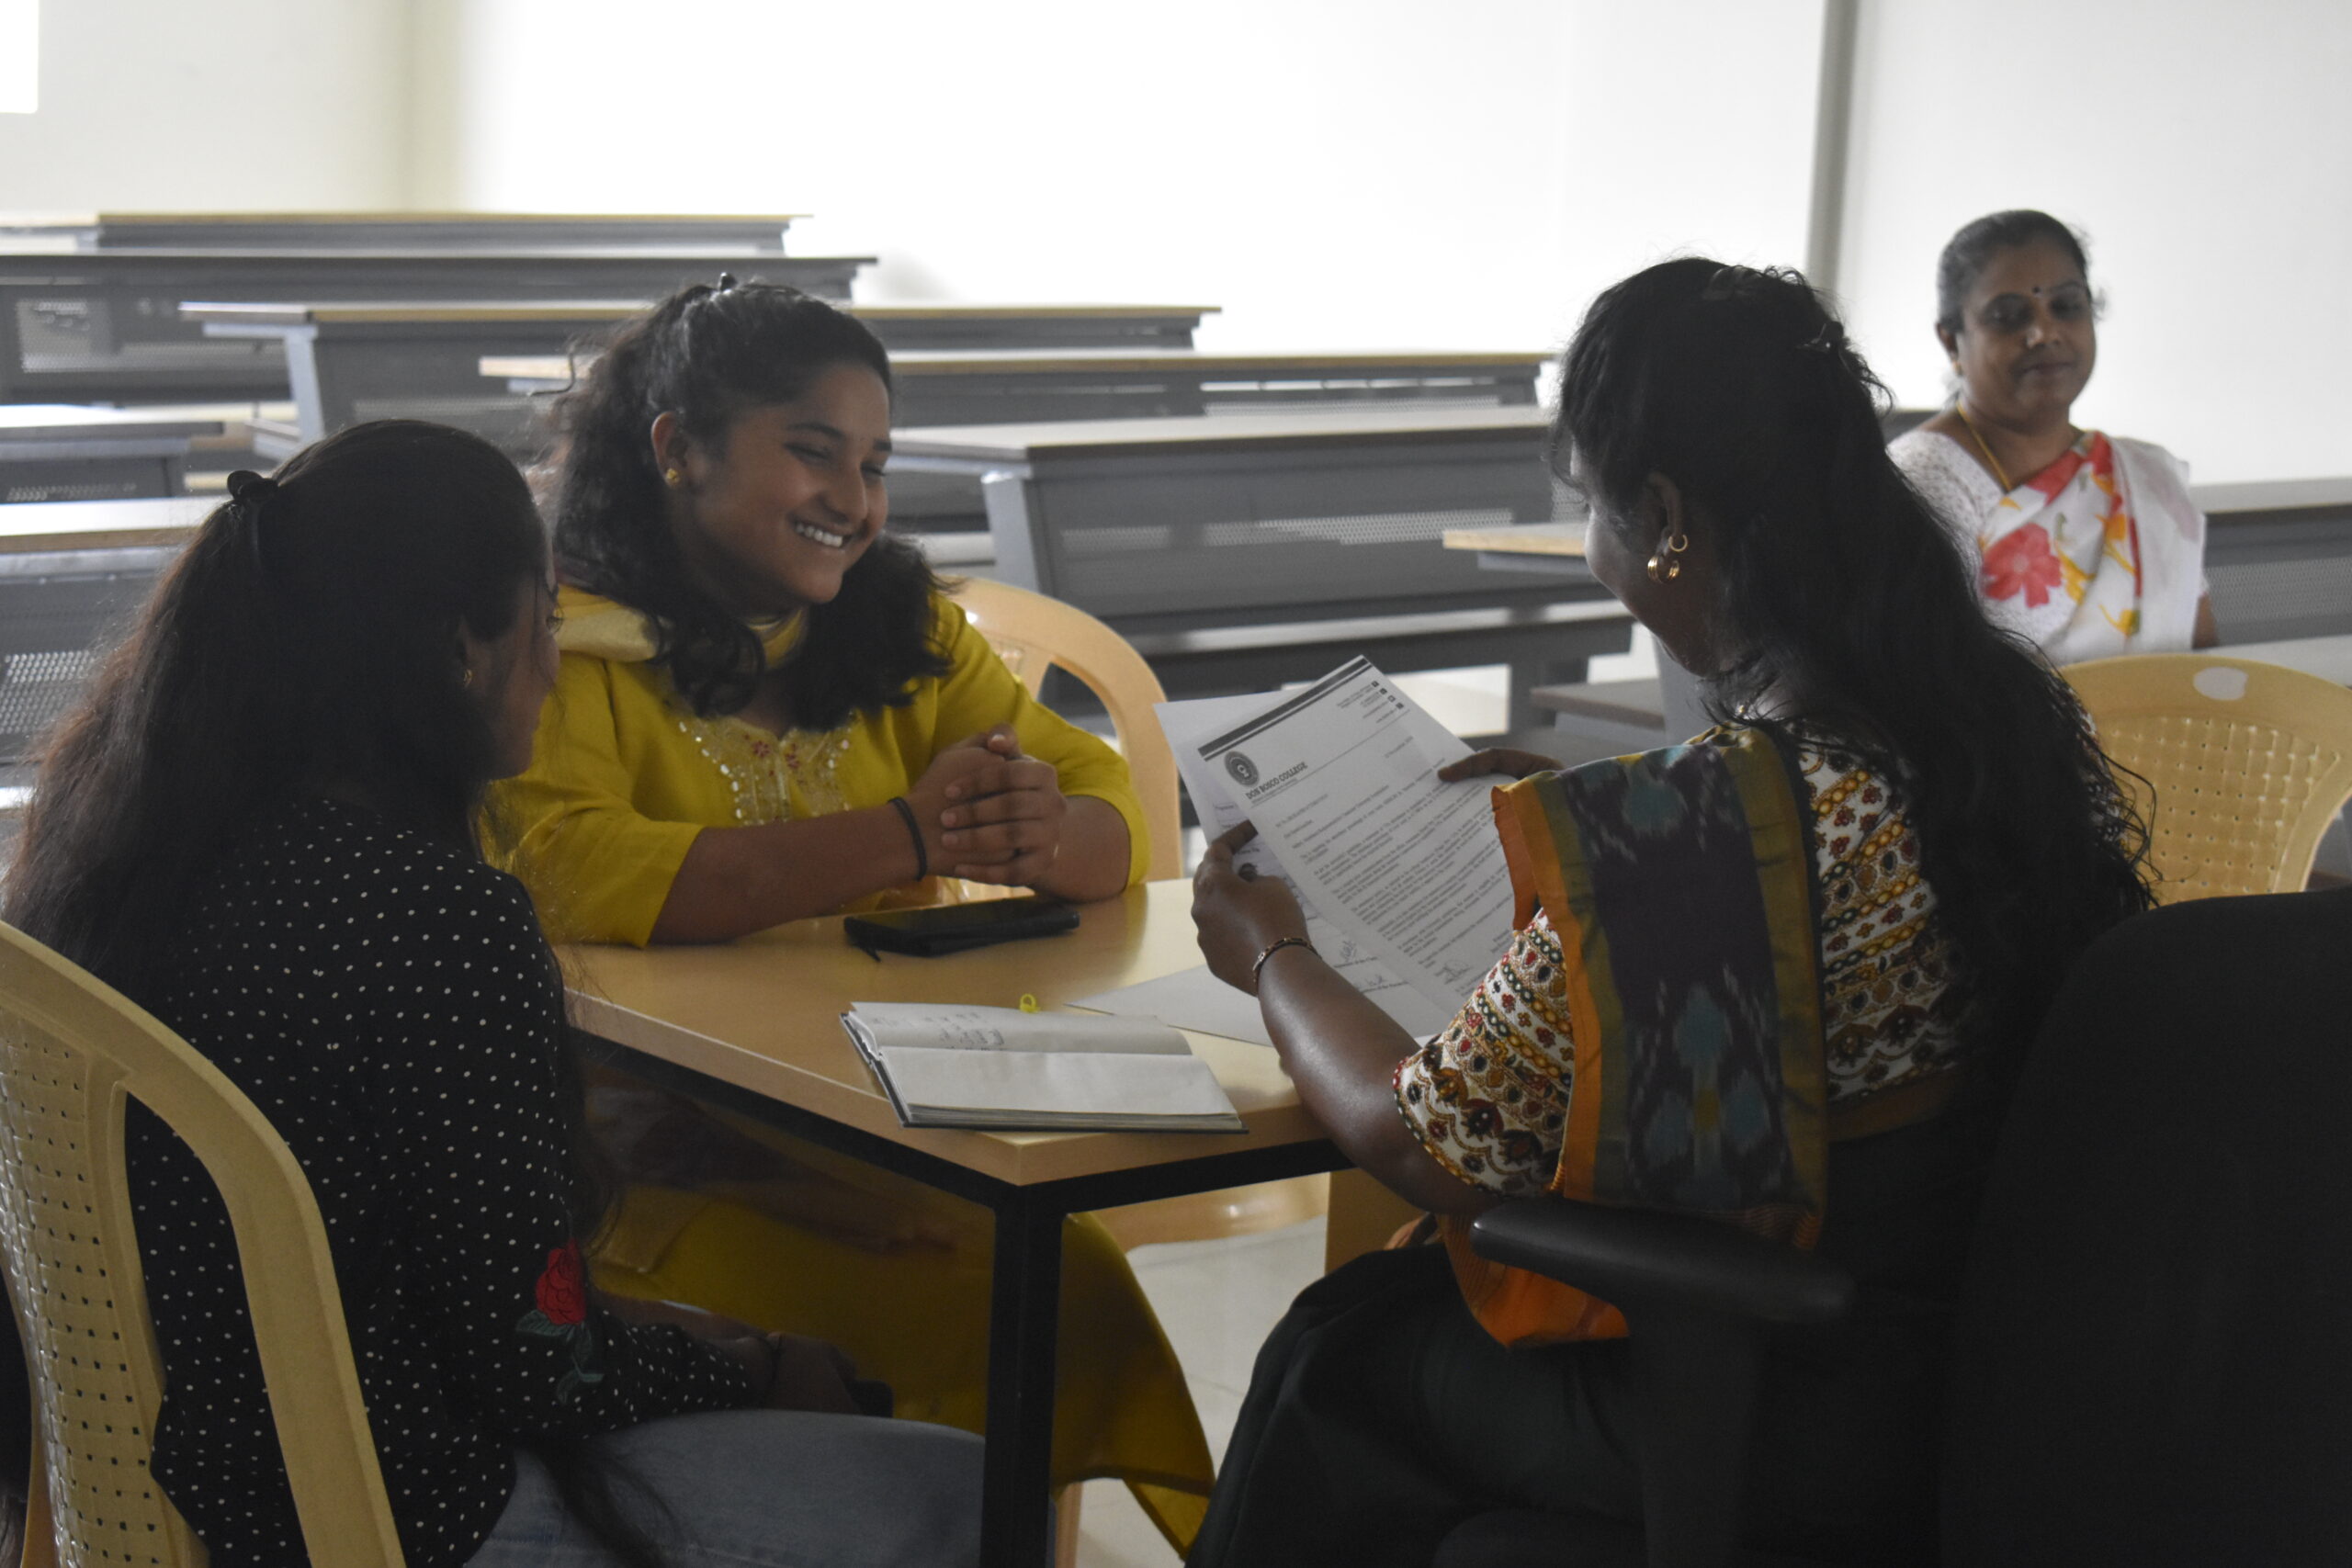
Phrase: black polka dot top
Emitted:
{"points": [[389, 1006]]}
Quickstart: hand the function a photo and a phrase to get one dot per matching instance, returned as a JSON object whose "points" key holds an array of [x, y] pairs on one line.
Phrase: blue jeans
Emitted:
{"points": [[765, 1489]]}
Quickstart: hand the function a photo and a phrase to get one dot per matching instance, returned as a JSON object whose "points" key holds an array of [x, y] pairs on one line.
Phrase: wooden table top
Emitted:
{"points": [[560, 367], [762, 1013], [2329, 657], [1355, 424], [36, 222], [260, 314], [36, 526], [1526, 539], [2273, 495], [72, 422]]}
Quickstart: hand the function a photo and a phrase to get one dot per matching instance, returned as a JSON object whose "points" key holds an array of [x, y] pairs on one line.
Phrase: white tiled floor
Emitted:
{"points": [[1217, 1299]]}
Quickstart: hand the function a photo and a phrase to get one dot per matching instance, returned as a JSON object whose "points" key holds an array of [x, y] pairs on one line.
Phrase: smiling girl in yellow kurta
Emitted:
{"points": [[626, 775], [768, 709]]}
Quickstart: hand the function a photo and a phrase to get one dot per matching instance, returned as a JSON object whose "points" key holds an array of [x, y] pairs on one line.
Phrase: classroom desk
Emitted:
{"points": [[1235, 551], [1551, 550], [1040, 386], [396, 231], [752, 1026], [363, 360], [103, 325], [50, 453]]}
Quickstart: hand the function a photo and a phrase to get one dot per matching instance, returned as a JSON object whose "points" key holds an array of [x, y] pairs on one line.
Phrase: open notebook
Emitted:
{"points": [[1003, 1070]]}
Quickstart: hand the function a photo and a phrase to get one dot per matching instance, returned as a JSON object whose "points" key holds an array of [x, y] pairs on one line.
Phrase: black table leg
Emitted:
{"points": [[1025, 1299]]}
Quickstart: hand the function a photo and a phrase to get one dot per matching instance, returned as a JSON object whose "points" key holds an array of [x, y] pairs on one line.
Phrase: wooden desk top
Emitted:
{"points": [[35, 527], [289, 315], [99, 230], [1359, 424], [36, 222], [2329, 657], [558, 368], [2273, 495], [25, 422], [1526, 539], [764, 1013]]}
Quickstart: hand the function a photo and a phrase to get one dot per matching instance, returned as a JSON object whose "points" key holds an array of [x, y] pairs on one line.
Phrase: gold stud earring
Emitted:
{"points": [[674, 477], [1664, 565]]}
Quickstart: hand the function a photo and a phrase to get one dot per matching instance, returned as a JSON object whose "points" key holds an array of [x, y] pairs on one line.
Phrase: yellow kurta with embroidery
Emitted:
{"points": [[623, 776], [778, 1231]]}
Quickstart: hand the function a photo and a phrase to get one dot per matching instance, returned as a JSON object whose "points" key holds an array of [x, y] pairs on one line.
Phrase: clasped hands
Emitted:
{"points": [[989, 814], [1238, 915]]}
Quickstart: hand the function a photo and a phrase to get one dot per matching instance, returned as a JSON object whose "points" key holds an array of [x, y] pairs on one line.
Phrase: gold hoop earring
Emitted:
{"points": [[1664, 566], [674, 477], [466, 681]]}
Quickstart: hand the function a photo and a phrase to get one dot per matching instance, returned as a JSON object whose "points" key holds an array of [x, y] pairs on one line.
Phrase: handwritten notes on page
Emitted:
{"points": [[1002, 1069]]}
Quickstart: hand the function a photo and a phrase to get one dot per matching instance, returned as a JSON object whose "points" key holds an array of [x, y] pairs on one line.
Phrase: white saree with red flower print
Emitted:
{"points": [[2100, 553]]}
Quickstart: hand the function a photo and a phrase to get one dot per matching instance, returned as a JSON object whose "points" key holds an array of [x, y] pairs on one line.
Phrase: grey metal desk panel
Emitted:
{"points": [[352, 361], [1041, 386], [1239, 550], [398, 231], [2279, 557], [52, 453], [104, 325]]}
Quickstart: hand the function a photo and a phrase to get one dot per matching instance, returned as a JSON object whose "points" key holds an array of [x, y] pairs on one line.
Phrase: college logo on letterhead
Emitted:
{"points": [[1244, 770]]}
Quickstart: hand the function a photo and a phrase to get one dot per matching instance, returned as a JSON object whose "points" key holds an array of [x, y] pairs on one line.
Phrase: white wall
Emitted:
{"points": [[195, 104], [2206, 148], [1334, 173]]}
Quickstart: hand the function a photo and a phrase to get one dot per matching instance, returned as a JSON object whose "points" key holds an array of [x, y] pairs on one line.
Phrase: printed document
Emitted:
{"points": [[1401, 875]]}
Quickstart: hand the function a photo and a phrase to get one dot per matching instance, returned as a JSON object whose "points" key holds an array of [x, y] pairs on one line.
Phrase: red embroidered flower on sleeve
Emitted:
{"points": [[561, 1314], [2022, 563], [561, 1297]]}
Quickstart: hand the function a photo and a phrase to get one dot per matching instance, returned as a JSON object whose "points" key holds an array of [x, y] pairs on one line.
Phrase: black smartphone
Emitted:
{"points": [[952, 927]]}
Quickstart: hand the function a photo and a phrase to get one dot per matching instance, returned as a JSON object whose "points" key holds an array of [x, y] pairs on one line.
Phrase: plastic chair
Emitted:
{"points": [[1032, 633], [2150, 1368], [73, 1051], [2249, 764]]}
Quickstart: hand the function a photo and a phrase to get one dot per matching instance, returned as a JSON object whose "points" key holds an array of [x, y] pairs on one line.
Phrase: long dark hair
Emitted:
{"points": [[707, 356], [307, 637], [1847, 594], [1977, 243]]}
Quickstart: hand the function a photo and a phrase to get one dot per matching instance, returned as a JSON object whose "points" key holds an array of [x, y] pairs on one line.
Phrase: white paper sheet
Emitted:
{"points": [[1058, 1084], [1341, 780], [939, 1026], [1189, 998], [996, 1067], [1216, 801]]}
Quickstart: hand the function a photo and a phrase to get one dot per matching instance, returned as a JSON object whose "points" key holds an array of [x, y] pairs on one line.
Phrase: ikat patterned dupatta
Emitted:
{"points": [[1680, 885]]}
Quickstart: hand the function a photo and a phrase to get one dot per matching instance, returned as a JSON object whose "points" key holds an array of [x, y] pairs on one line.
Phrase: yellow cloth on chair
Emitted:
{"points": [[897, 1274]]}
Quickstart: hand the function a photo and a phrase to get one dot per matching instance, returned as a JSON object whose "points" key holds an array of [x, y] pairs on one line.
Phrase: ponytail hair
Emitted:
{"points": [[708, 355], [1846, 594], [307, 637]]}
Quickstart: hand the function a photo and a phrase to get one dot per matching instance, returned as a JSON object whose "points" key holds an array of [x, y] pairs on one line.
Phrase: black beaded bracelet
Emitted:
{"points": [[914, 831]]}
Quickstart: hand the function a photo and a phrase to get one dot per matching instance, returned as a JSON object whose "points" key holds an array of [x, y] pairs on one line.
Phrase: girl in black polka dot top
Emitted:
{"points": [[261, 827]]}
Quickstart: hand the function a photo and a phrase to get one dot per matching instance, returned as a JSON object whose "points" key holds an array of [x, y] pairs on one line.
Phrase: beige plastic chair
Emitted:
{"points": [[1032, 633], [2249, 764], [73, 1051]]}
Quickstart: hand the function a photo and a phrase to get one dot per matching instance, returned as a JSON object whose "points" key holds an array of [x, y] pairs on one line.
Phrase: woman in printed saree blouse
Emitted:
{"points": [[2089, 543], [1830, 917], [769, 709]]}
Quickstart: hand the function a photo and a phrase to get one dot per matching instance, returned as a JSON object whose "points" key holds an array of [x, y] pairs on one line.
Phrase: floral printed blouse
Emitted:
{"points": [[390, 1007], [1489, 1096]]}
